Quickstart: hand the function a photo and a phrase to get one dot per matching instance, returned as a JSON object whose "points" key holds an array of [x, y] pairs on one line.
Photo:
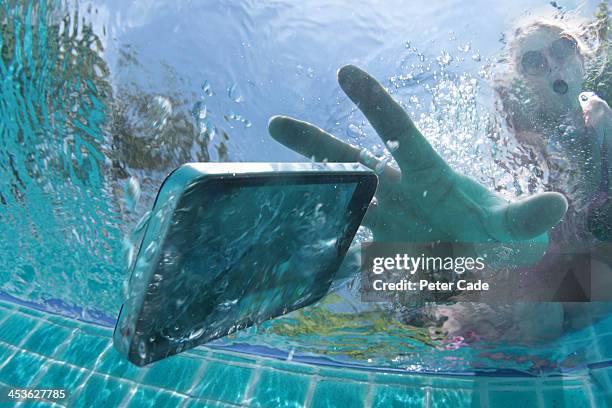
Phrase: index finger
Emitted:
{"points": [[391, 122]]}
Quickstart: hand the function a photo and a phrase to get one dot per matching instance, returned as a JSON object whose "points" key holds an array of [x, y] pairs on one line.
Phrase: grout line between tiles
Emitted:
{"points": [[314, 379], [19, 345], [130, 394], [81, 386], [367, 403], [196, 380], [252, 383]]}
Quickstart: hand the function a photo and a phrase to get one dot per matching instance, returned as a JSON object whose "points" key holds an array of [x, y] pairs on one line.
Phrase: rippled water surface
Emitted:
{"points": [[100, 100]]}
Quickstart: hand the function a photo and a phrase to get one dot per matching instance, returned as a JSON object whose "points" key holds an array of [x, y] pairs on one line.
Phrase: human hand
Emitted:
{"points": [[598, 117], [426, 201]]}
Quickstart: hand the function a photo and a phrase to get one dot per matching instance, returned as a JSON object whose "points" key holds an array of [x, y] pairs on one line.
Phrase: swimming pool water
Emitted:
{"points": [[95, 93], [47, 350]]}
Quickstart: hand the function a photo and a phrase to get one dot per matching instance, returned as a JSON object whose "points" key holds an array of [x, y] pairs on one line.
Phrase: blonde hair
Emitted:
{"points": [[579, 28]]}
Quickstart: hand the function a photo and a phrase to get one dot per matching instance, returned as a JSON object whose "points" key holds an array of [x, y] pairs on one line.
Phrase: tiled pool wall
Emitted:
{"points": [[40, 350]]}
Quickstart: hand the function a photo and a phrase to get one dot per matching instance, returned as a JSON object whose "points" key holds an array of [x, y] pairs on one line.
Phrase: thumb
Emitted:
{"points": [[529, 217]]}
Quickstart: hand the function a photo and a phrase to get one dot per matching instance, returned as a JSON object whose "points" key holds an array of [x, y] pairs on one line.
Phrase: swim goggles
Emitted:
{"points": [[535, 62]]}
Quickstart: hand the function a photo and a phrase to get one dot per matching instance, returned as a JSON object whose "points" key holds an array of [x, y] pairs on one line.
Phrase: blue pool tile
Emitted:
{"points": [[408, 379], [397, 397], [63, 321], [246, 359], [279, 389], [21, 369], [513, 398], [223, 382], [198, 403], [289, 366], [40, 404], [174, 373], [602, 378], [605, 347], [96, 330], [100, 391], [47, 339], [83, 350], [15, 328], [149, 397], [117, 365], [454, 397], [31, 312], [344, 373], [566, 397], [328, 393], [61, 376], [5, 352]]}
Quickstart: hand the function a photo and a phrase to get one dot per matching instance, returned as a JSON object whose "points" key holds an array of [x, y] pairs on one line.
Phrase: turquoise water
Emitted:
{"points": [[95, 93], [59, 352]]}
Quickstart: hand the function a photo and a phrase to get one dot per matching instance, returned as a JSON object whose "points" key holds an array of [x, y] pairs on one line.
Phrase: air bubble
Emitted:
{"points": [[355, 131], [158, 112], [234, 94], [142, 349], [392, 145], [132, 193], [444, 59], [206, 88], [150, 250]]}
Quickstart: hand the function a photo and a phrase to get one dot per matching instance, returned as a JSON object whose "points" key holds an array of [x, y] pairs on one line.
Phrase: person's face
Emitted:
{"points": [[552, 67]]}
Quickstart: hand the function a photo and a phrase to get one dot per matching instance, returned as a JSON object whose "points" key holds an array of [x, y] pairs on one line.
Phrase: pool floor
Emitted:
{"points": [[41, 350]]}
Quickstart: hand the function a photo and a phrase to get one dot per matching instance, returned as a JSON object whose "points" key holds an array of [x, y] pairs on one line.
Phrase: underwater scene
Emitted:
{"points": [[192, 191]]}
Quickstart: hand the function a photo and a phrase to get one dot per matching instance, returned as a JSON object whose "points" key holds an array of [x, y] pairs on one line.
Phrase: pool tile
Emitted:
{"points": [[5, 352], [452, 397], [61, 376], [199, 351], [83, 350], [47, 339], [511, 383], [21, 369], [148, 397], [63, 320], [16, 327], [397, 397], [174, 373], [223, 382], [40, 404], [96, 330], [347, 374], [32, 312], [100, 391], [248, 360], [512, 399], [117, 365], [566, 397], [605, 346], [408, 379], [328, 393], [294, 367], [279, 389], [564, 382], [198, 403]]}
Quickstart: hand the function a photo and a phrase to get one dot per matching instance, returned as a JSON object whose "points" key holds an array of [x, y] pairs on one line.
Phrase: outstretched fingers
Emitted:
{"points": [[409, 148], [313, 142], [310, 141]]}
